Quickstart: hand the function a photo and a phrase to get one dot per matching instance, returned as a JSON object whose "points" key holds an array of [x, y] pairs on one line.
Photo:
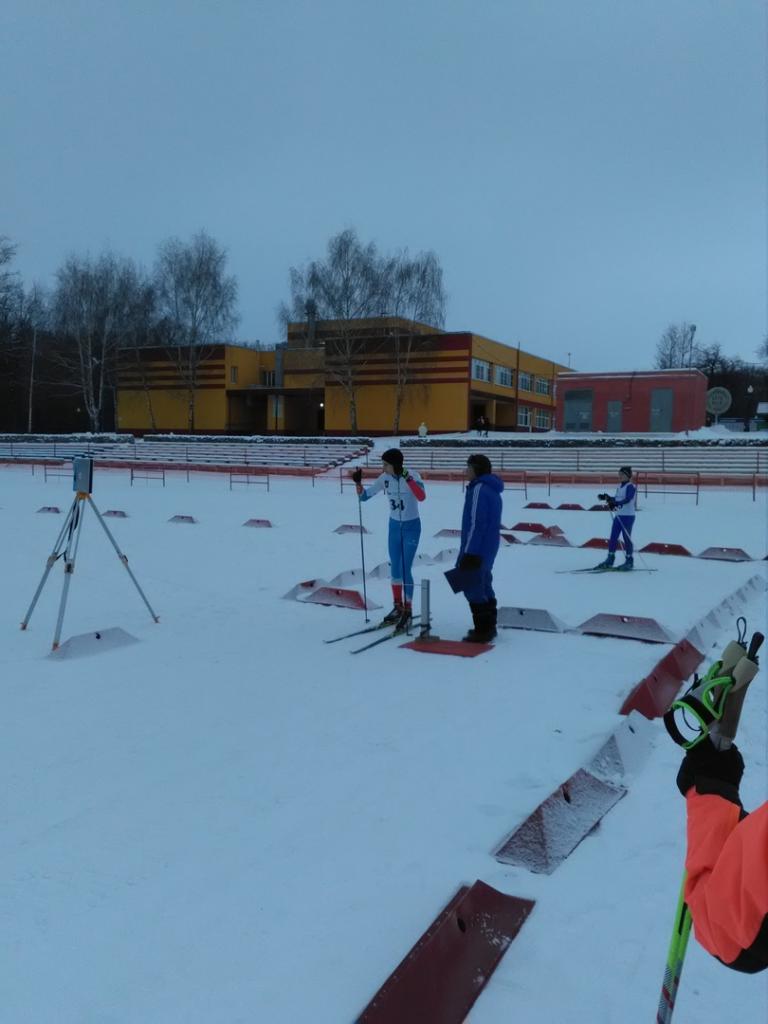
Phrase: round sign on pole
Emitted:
{"points": [[718, 401]]}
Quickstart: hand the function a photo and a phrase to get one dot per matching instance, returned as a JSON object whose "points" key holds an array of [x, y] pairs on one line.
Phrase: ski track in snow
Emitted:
{"points": [[232, 821]]}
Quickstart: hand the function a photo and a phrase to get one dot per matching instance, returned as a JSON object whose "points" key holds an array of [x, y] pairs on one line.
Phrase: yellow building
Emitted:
{"points": [[379, 376]]}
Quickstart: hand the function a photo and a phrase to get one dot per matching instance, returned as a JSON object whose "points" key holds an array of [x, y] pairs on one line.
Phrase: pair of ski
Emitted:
{"points": [[375, 628], [597, 569]]}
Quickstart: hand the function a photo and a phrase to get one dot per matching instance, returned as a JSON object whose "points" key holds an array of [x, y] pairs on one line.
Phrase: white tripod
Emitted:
{"points": [[66, 546]]}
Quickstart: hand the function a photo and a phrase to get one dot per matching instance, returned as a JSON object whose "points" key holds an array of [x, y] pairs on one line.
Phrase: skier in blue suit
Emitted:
{"points": [[623, 521], [480, 538]]}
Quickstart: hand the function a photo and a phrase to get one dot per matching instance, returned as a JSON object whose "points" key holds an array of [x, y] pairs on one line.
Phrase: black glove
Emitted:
{"points": [[603, 497], [357, 475], [468, 563], [705, 767], [404, 474], [611, 503]]}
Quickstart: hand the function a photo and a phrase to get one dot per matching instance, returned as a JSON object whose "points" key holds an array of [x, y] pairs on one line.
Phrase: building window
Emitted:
{"points": [[268, 378], [578, 409], [233, 375], [525, 382], [504, 376], [542, 386], [523, 416], [542, 419], [481, 370]]}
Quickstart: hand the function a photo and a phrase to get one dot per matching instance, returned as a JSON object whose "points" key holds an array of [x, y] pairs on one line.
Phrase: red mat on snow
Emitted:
{"points": [[440, 978], [457, 647]]}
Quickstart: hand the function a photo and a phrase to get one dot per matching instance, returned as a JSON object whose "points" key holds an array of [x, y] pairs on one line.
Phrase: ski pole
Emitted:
{"points": [[721, 696], [362, 555]]}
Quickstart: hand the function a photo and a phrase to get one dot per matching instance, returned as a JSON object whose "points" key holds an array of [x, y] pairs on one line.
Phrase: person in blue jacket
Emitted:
{"points": [[480, 537], [623, 503]]}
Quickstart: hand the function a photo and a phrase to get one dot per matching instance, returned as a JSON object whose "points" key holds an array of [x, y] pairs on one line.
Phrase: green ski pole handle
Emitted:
{"points": [[723, 732], [705, 701]]}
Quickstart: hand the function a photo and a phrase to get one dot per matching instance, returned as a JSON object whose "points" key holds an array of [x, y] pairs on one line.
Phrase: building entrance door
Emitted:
{"points": [[613, 417], [578, 410], [661, 410]]}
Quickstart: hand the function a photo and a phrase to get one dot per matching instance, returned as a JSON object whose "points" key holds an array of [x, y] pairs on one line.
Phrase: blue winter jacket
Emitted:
{"points": [[481, 519]]}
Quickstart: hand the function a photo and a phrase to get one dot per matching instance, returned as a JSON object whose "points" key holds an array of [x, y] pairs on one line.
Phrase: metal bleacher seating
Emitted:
{"points": [[272, 454], [714, 461]]}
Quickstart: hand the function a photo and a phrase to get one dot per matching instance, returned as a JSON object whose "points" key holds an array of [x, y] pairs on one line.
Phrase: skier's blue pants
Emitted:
{"points": [[482, 591], [624, 535], [403, 541]]}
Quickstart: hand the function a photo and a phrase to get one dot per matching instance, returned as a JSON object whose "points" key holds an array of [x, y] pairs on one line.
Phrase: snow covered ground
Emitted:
{"points": [[231, 821]]}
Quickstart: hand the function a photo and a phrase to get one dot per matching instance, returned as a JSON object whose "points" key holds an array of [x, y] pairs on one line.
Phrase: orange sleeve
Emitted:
{"points": [[727, 878]]}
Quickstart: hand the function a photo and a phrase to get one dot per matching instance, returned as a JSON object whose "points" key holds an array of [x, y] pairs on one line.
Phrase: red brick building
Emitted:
{"points": [[653, 401]]}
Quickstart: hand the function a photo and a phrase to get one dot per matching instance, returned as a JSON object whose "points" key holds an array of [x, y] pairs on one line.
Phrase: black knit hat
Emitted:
{"points": [[627, 470], [394, 457], [480, 463]]}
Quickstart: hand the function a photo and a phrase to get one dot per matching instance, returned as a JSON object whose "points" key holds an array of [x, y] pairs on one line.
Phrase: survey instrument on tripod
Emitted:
{"points": [[68, 541]]}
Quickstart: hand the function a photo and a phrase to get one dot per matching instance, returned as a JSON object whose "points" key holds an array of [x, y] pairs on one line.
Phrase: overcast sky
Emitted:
{"points": [[587, 171]]}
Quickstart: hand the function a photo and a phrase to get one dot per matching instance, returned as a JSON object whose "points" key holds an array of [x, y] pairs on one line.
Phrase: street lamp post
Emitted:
{"points": [[691, 332], [748, 417]]}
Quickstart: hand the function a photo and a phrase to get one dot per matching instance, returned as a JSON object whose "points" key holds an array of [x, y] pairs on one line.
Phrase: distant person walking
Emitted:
{"points": [[480, 538], [623, 521], [480, 425], [404, 491]]}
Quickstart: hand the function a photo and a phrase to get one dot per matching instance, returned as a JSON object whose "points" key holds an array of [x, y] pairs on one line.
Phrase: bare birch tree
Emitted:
{"points": [[675, 347], [196, 306], [342, 288], [413, 290], [34, 319], [353, 283], [93, 312]]}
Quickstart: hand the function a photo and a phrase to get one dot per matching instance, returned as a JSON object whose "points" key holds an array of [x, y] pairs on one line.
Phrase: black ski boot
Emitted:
{"points": [[403, 623], [393, 617], [608, 563], [627, 566], [484, 618]]}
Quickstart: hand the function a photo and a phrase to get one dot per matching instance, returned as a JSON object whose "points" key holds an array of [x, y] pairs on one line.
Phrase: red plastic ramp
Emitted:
{"points": [[259, 524], [570, 507], [626, 749], [626, 627], [115, 513], [599, 542], [510, 538], [382, 571], [350, 528], [446, 555], [653, 695], [50, 508], [338, 597], [660, 548], [537, 504], [554, 540], [440, 978], [448, 533], [530, 618], [530, 528], [303, 588], [434, 645], [182, 519], [559, 824], [725, 555], [86, 644]]}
